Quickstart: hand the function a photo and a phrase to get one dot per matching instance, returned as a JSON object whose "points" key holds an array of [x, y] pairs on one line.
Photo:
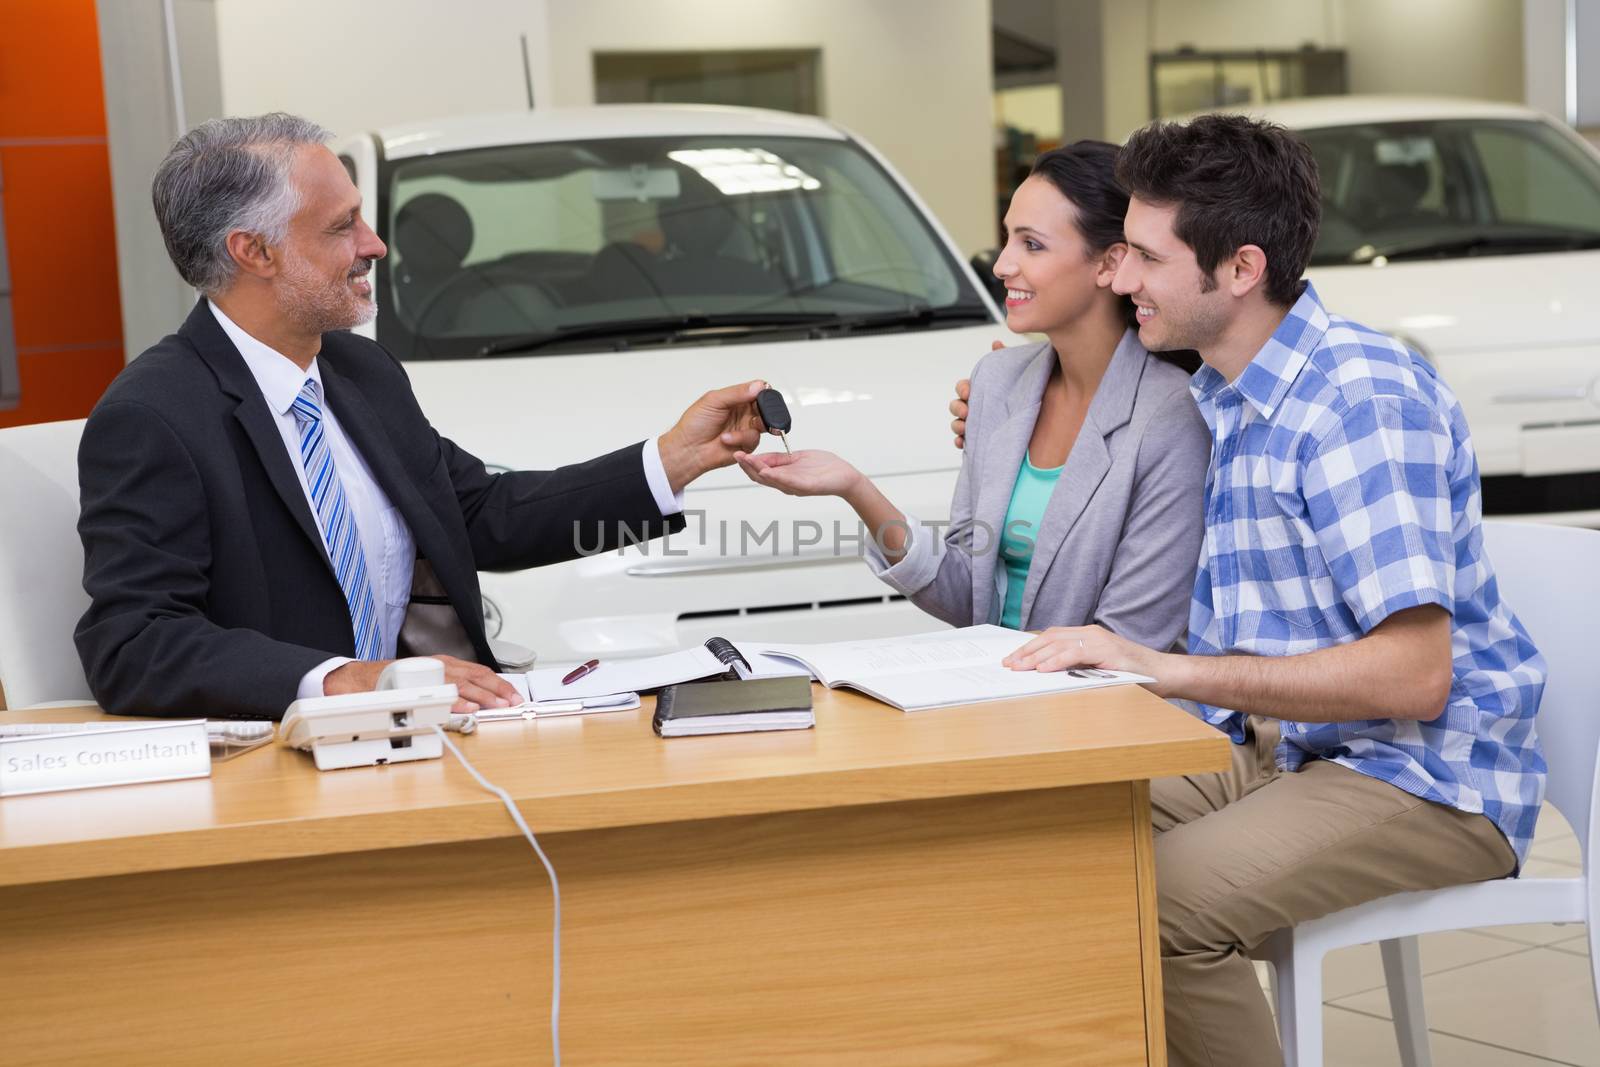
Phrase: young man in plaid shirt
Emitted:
{"points": [[1345, 629]]}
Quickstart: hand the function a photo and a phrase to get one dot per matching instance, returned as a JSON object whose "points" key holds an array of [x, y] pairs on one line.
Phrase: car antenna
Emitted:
{"points": [[527, 71]]}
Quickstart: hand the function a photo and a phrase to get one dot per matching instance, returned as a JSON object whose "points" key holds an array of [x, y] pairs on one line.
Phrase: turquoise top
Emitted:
{"points": [[1029, 497]]}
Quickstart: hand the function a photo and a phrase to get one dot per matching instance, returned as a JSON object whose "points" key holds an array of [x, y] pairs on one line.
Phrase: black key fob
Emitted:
{"points": [[773, 411]]}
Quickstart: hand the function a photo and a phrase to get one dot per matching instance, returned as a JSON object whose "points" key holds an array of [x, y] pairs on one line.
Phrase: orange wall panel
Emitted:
{"points": [[60, 234], [50, 82], [55, 201], [62, 385]]}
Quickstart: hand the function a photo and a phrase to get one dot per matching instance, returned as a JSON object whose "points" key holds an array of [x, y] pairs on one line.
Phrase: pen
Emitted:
{"points": [[580, 671]]}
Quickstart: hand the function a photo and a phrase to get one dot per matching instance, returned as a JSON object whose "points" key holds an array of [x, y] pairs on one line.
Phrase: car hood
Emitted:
{"points": [[880, 400], [1478, 303]]}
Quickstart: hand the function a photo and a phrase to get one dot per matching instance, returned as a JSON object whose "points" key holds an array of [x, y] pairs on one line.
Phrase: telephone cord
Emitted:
{"points": [[555, 893]]}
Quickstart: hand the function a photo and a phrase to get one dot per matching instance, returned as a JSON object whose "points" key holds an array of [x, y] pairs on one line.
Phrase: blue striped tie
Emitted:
{"points": [[338, 523]]}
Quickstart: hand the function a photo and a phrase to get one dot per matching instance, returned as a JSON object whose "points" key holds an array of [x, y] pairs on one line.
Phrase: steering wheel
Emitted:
{"points": [[492, 277]]}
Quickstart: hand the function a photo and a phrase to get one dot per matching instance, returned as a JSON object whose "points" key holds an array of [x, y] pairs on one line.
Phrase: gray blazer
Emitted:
{"points": [[1121, 536]]}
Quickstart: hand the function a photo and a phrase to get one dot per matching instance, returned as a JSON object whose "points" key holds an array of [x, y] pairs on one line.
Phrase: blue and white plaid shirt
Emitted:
{"points": [[1344, 488]]}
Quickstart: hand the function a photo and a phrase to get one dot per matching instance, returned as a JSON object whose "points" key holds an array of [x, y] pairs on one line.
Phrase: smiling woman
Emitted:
{"points": [[1084, 447]]}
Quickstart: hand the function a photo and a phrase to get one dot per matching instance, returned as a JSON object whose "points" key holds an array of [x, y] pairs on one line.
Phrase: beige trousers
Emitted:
{"points": [[1252, 850]]}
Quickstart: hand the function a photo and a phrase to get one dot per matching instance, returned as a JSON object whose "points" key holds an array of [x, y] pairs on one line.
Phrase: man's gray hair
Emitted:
{"points": [[226, 175]]}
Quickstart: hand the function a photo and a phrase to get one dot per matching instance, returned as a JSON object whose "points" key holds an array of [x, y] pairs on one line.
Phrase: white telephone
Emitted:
{"points": [[393, 724]]}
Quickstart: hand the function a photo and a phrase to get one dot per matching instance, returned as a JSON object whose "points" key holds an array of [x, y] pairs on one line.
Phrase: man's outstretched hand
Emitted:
{"points": [[718, 425]]}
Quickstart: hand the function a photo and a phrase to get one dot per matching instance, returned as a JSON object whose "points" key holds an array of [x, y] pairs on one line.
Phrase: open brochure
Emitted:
{"points": [[933, 670]]}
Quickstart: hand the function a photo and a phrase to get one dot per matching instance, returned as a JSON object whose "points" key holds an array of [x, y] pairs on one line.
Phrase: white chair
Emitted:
{"points": [[41, 566], [1550, 577]]}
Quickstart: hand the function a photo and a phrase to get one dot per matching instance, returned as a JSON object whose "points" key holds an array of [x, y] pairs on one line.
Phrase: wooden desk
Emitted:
{"points": [[966, 886]]}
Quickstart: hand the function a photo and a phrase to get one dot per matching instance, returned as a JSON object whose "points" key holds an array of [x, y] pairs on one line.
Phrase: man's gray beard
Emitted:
{"points": [[308, 302]]}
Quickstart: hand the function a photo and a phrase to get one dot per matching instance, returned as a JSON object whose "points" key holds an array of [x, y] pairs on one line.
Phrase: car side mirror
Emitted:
{"points": [[983, 266]]}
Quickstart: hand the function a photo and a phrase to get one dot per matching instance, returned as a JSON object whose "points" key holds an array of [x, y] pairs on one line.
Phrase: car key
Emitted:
{"points": [[775, 413]]}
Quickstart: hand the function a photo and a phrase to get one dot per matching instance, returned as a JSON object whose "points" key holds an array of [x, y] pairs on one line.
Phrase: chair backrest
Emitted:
{"points": [[1550, 578], [41, 565]]}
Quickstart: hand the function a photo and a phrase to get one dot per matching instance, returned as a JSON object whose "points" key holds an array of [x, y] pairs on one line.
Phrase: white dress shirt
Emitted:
{"points": [[385, 539]]}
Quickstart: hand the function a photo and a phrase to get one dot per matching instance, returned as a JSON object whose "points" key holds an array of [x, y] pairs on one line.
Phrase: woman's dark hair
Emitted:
{"points": [[1235, 181], [1085, 172]]}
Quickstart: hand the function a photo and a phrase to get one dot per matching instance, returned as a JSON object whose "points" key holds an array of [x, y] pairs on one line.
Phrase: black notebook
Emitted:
{"points": [[732, 707]]}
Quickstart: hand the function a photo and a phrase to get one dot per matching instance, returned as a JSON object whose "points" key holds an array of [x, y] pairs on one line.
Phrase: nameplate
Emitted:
{"points": [[119, 755]]}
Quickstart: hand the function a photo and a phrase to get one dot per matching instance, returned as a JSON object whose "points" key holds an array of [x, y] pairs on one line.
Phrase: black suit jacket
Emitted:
{"points": [[211, 589]]}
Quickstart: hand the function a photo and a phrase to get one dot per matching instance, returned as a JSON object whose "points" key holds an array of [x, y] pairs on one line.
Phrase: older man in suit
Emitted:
{"points": [[258, 488]]}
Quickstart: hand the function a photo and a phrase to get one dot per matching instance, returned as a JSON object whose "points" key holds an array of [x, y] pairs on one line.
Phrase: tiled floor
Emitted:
{"points": [[1511, 996]]}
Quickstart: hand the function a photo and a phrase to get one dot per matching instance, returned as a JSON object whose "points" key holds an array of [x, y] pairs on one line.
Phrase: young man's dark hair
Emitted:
{"points": [[1236, 181]]}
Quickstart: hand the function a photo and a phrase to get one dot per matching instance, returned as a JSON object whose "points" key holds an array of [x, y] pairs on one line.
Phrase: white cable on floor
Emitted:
{"points": [[555, 893]]}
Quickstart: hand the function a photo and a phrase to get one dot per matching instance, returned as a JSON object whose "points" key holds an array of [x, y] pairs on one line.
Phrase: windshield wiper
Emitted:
{"points": [[703, 326], [1491, 244], [664, 327], [919, 315]]}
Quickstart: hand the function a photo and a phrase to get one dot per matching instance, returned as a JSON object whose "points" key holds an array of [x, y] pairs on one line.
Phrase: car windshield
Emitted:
{"points": [[1442, 189], [602, 244]]}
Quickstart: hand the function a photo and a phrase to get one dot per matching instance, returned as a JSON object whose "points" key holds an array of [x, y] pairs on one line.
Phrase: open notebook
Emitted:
{"points": [[616, 676], [933, 670]]}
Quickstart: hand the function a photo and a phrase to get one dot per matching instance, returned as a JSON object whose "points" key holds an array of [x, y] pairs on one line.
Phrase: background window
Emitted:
{"points": [[1188, 80], [781, 80]]}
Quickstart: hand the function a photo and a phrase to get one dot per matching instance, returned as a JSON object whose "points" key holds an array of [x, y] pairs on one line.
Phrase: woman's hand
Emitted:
{"points": [[816, 473], [808, 473], [1061, 648]]}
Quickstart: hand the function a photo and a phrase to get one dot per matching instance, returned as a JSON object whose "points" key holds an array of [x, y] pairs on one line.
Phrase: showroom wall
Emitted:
{"points": [[356, 64], [1544, 55], [142, 122], [1474, 47], [361, 63]]}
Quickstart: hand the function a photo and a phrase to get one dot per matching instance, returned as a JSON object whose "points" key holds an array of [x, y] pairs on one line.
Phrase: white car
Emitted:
{"points": [[564, 282], [1471, 230]]}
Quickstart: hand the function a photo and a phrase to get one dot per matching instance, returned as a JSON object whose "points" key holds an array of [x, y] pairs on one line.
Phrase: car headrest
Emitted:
{"points": [[1401, 186], [700, 220], [433, 233]]}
